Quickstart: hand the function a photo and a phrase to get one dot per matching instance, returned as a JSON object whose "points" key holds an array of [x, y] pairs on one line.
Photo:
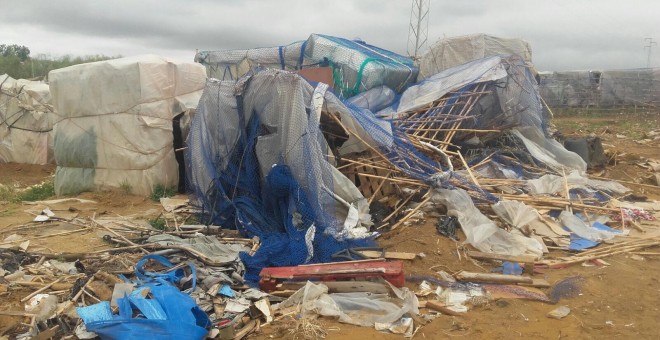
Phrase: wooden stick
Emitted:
{"points": [[46, 236], [82, 289], [120, 236], [492, 278], [439, 307], [41, 289], [474, 179], [380, 186], [500, 257], [412, 212], [56, 286]]}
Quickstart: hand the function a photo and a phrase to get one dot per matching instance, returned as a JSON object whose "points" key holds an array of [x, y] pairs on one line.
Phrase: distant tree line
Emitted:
{"points": [[15, 61]]}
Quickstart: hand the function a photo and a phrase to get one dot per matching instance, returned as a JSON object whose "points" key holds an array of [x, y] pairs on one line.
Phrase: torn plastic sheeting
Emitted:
{"points": [[579, 243], [481, 232], [548, 151], [581, 229], [361, 308], [210, 246], [552, 184], [150, 308], [185, 320], [374, 99], [515, 213]]}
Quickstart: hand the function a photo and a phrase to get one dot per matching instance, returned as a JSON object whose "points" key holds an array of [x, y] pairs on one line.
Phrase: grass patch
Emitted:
{"points": [[34, 193], [158, 223], [126, 187], [7, 193], [161, 191], [38, 192]]}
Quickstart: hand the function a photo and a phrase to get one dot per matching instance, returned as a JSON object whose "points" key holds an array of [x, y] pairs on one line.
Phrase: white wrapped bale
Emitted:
{"points": [[116, 122], [26, 122]]}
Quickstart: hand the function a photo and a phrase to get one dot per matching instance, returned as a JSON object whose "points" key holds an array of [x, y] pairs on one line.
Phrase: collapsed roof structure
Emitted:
{"points": [[272, 155], [26, 121]]}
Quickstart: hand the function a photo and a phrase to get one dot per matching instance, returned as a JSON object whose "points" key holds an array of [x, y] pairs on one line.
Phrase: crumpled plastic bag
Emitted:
{"points": [[359, 308], [481, 232]]}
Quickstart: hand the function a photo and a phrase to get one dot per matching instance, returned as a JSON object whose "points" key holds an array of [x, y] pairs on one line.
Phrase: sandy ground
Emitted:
{"points": [[617, 301]]}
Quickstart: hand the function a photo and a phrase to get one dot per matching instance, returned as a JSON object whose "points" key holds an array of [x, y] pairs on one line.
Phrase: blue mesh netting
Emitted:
{"points": [[257, 162]]}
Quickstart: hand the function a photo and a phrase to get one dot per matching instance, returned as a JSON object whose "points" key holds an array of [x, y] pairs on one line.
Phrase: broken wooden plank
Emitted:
{"points": [[440, 307], [489, 256], [393, 255], [245, 330], [492, 278], [538, 283]]}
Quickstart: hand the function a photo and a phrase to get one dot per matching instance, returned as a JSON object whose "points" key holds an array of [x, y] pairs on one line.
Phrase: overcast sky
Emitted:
{"points": [[564, 34]]}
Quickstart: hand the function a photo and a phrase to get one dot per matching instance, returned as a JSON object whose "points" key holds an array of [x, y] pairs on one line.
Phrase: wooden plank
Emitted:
{"points": [[538, 283], [488, 256], [394, 255], [492, 278], [339, 287], [440, 307]]}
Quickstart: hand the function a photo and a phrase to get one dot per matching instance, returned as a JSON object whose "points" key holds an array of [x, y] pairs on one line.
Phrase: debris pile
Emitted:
{"points": [[292, 182]]}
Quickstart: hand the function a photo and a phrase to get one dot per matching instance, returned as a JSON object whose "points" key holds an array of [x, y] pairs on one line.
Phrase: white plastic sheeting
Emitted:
{"points": [[548, 151], [450, 52], [360, 308], [552, 184], [583, 230], [442, 83], [116, 122], [481, 232], [26, 122]]}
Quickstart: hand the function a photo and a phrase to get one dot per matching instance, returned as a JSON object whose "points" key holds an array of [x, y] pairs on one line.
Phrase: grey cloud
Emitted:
{"points": [[564, 34]]}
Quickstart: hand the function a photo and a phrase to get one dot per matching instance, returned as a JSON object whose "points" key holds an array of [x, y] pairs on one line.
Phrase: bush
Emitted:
{"points": [[161, 191], [158, 223]]}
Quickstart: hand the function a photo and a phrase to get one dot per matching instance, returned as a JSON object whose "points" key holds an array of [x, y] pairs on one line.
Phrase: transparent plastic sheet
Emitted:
{"points": [[374, 99], [548, 151], [515, 213], [26, 121], [552, 184], [451, 52], [233, 64], [583, 230], [438, 85], [360, 308], [481, 232], [259, 162]]}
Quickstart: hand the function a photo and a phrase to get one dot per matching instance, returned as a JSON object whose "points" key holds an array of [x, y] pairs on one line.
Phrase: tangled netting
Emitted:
{"points": [[257, 162]]}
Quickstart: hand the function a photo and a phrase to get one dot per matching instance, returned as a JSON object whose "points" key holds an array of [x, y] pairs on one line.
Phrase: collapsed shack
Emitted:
{"points": [[116, 125], [308, 178], [26, 122], [265, 152]]}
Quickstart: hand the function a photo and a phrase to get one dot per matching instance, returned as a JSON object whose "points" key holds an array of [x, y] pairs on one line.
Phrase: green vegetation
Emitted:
{"points": [[161, 191], [15, 61], [34, 193], [38, 192], [158, 223], [126, 187]]}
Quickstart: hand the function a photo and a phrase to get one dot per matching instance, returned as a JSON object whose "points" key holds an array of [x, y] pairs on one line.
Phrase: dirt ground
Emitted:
{"points": [[620, 300]]}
